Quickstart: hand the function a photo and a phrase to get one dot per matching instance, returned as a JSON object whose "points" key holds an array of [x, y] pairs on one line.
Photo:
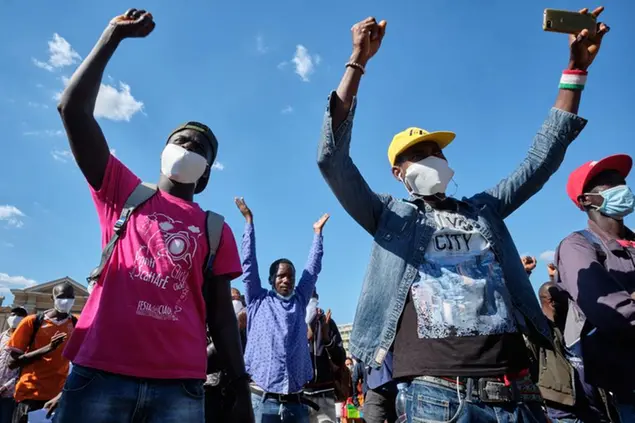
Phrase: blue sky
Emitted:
{"points": [[485, 70]]}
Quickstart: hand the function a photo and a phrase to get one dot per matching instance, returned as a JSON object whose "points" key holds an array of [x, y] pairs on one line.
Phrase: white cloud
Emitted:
{"points": [[287, 110], [282, 65], [547, 256], [7, 283], [304, 63], [37, 105], [113, 103], [12, 215], [113, 152], [218, 166], [63, 156], [261, 48], [7, 244], [61, 54], [44, 132]]}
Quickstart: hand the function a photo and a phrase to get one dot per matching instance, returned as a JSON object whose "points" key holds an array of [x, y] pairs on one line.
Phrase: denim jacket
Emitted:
{"points": [[402, 231]]}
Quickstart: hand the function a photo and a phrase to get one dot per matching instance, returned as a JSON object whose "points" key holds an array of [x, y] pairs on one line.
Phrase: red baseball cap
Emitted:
{"points": [[582, 175]]}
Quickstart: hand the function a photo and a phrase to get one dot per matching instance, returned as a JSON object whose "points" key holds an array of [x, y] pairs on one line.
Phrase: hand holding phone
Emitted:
{"points": [[566, 22]]}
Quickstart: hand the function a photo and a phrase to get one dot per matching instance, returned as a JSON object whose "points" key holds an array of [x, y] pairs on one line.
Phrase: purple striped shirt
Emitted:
{"points": [[277, 354]]}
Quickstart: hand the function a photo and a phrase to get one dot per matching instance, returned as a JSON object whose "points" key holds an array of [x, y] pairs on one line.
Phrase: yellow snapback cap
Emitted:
{"points": [[411, 136]]}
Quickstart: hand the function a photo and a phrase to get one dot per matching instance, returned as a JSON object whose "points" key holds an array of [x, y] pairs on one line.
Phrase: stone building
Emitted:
{"points": [[39, 298], [345, 332]]}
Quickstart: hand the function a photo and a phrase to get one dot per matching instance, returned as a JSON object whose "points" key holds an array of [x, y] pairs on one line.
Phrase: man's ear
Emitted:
{"points": [[584, 201], [396, 172]]}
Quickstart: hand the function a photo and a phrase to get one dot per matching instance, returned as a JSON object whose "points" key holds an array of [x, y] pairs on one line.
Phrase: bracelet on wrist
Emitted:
{"points": [[574, 80], [357, 66]]}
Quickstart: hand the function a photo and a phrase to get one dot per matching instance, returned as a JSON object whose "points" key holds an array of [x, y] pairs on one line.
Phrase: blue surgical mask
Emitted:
{"points": [[618, 201]]}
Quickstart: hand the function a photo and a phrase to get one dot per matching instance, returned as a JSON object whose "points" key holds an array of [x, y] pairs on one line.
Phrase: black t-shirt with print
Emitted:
{"points": [[458, 318], [476, 356]]}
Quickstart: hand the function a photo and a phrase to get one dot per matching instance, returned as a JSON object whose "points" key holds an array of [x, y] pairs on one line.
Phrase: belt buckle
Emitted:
{"points": [[500, 394]]}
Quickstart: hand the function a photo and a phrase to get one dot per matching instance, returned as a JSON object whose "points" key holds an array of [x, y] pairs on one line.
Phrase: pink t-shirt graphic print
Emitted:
{"points": [[146, 315]]}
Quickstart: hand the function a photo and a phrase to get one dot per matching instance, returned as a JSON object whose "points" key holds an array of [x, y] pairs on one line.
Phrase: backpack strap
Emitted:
{"points": [[37, 323], [214, 228], [142, 193], [596, 242]]}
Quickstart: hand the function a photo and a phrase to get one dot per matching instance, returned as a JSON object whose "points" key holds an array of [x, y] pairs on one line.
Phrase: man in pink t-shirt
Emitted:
{"points": [[139, 348]]}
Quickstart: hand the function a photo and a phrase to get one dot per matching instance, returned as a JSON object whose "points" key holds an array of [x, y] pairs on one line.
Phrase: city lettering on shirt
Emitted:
{"points": [[454, 234]]}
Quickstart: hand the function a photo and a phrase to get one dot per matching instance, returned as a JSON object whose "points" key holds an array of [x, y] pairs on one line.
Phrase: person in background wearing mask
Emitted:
{"points": [[597, 270], [35, 351], [456, 341], [143, 328], [8, 376], [277, 354]]}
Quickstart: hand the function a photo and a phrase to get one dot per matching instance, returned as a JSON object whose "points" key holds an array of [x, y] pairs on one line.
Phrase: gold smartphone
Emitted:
{"points": [[567, 22]]}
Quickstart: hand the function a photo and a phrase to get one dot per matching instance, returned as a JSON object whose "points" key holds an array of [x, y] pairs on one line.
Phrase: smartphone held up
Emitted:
{"points": [[566, 22]]}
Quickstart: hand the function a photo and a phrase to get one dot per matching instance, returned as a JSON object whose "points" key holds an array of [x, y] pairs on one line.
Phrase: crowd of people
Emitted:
{"points": [[447, 326]]}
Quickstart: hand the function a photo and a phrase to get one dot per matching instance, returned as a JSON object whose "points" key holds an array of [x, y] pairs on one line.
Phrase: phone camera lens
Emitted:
{"points": [[548, 24]]}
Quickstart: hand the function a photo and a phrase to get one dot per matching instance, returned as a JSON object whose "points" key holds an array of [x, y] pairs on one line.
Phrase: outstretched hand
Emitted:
{"points": [[319, 225], [585, 47], [133, 24], [246, 211]]}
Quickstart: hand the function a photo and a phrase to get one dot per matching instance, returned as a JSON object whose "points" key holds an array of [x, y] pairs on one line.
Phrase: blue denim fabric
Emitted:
{"points": [[6, 409], [626, 411], [98, 397], [271, 411], [401, 231], [428, 402]]}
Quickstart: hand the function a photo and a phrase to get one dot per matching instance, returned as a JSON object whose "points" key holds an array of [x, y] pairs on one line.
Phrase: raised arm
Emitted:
{"points": [[251, 277], [306, 286], [334, 160], [559, 130], [77, 104]]}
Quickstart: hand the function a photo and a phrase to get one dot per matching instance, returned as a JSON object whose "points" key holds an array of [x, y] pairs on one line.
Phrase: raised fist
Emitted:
{"points": [[133, 24]]}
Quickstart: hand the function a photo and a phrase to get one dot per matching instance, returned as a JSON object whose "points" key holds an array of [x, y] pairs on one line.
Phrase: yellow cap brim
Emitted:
{"points": [[442, 138]]}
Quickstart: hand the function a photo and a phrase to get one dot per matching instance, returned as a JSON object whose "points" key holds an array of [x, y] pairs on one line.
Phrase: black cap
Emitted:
{"points": [[19, 311], [209, 135]]}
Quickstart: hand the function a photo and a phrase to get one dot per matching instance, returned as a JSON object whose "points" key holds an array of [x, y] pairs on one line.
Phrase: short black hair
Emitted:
{"points": [[19, 311], [274, 267]]}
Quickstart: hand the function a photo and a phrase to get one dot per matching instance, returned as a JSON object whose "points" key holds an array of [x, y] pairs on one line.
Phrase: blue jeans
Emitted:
{"points": [[626, 411], [429, 402], [94, 396], [271, 411], [6, 409]]}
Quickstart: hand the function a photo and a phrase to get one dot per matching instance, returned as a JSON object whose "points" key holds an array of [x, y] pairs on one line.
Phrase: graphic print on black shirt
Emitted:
{"points": [[457, 320]]}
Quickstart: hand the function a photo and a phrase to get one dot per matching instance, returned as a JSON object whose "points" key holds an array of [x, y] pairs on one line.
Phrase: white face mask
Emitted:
{"points": [[14, 321], [238, 306], [181, 165], [63, 305], [428, 176]]}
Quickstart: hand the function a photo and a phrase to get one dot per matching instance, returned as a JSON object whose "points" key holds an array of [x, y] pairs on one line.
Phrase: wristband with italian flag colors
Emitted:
{"points": [[573, 80]]}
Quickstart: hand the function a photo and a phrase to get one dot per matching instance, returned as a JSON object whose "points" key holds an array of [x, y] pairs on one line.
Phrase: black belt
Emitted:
{"points": [[284, 398], [490, 390]]}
